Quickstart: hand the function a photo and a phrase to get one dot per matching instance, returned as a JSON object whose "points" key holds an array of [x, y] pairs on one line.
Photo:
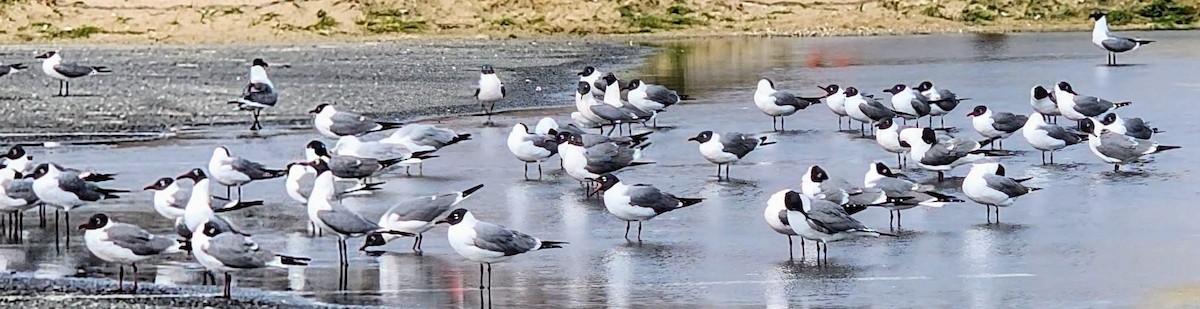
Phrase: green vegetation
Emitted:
{"points": [[324, 22], [934, 10], [1119, 17], [676, 16], [1168, 14], [505, 22], [380, 20], [49, 31]]}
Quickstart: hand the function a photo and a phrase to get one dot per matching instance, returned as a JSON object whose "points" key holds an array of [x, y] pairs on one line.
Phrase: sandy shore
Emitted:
{"points": [[26, 292]]}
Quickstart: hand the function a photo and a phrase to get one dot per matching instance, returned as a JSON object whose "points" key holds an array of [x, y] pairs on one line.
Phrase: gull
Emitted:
{"points": [[823, 221], [228, 253], [583, 103], [16, 196], [300, 180], [382, 150], [547, 127], [1048, 137], [423, 137], [231, 171], [326, 210], [54, 67], [590, 139], [1079, 107], [639, 202], [11, 68], [1133, 127], [777, 218], [1112, 43], [888, 137], [17, 160], [865, 109], [606, 113], [908, 103], [586, 164], [940, 156], [1117, 148], [835, 98], [417, 216], [488, 243], [531, 148], [995, 126], [728, 148], [778, 104], [199, 210], [987, 185], [941, 101], [816, 183], [584, 121], [259, 94], [650, 97], [490, 89], [354, 166], [170, 201], [66, 190], [333, 123], [123, 243], [613, 98], [592, 76], [902, 194], [1043, 103]]}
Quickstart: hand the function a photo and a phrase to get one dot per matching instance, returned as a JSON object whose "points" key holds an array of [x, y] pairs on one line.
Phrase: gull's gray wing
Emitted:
{"points": [[1121, 147], [876, 110], [948, 100], [829, 218], [426, 208], [1092, 106], [783, 217], [137, 240], [237, 251], [662, 95], [544, 142], [427, 135], [1138, 128], [1061, 134], [347, 123], [73, 70], [944, 153], [70, 182], [255, 170], [21, 189], [783, 98], [497, 238], [261, 93], [648, 196], [353, 167], [895, 187], [920, 103], [346, 222], [1008, 122], [610, 113], [868, 197], [1118, 44], [608, 157], [738, 144], [1008, 186]]}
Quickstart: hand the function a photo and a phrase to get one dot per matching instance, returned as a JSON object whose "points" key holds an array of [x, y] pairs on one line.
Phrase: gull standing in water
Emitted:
{"points": [[909, 103], [54, 67], [902, 194], [227, 253], [995, 126], [866, 110], [888, 137], [1048, 137], [12, 68], [728, 148], [231, 171], [986, 184], [123, 244], [259, 94], [1080, 107], [1111, 43], [942, 101], [326, 210], [651, 98], [489, 243], [66, 190], [489, 91], [776, 215], [823, 221], [1043, 103], [531, 148], [940, 156], [835, 98], [779, 104], [334, 124], [1133, 127], [639, 202], [417, 216], [1117, 148]]}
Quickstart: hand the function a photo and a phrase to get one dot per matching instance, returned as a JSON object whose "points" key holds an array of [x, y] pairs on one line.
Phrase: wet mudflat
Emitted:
{"points": [[1092, 238]]}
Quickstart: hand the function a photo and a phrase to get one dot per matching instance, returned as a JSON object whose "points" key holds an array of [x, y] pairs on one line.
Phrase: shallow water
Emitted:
{"points": [[1091, 238]]}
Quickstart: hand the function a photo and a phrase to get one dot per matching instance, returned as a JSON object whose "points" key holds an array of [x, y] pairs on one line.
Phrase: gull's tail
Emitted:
{"points": [[111, 193], [101, 70], [1121, 104], [548, 244], [1162, 148], [763, 141], [389, 125], [285, 261], [238, 205], [98, 177]]}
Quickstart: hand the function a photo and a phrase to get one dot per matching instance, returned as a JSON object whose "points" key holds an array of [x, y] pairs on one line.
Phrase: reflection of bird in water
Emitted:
{"points": [[12, 258]]}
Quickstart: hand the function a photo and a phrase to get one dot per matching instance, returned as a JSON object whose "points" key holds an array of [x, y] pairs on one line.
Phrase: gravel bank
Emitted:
{"points": [[25, 292]]}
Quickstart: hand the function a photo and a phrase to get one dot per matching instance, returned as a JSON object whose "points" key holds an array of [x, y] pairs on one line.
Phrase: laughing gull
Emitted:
{"points": [[123, 244], [489, 243], [17, 160], [592, 76], [728, 148], [299, 184], [423, 137], [777, 219], [385, 149], [326, 210], [835, 99], [417, 216], [259, 94], [995, 126], [613, 98], [227, 253], [909, 103], [902, 194], [531, 148], [639, 202], [942, 101], [199, 209], [1043, 103], [779, 104], [66, 190], [940, 156], [866, 110], [585, 164], [816, 183], [170, 201], [1112, 43], [547, 127], [590, 139], [1133, 127], [823, 221], [987, 185], [650, 97], [888, 137], [1080, 107], [16, 196], [1117, 148], [54, 67], [490, 89], [361, 167], [11, 68], [333, 123], [605, 113], [231, 171], [583, 121], [1048, 137]]}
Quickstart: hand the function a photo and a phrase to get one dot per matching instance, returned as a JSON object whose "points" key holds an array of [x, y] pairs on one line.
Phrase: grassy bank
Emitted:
{"points": [[252, 21]]}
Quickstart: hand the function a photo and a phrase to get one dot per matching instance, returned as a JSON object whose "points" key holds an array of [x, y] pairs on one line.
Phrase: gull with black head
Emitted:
{"points": [[724, 149]]}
